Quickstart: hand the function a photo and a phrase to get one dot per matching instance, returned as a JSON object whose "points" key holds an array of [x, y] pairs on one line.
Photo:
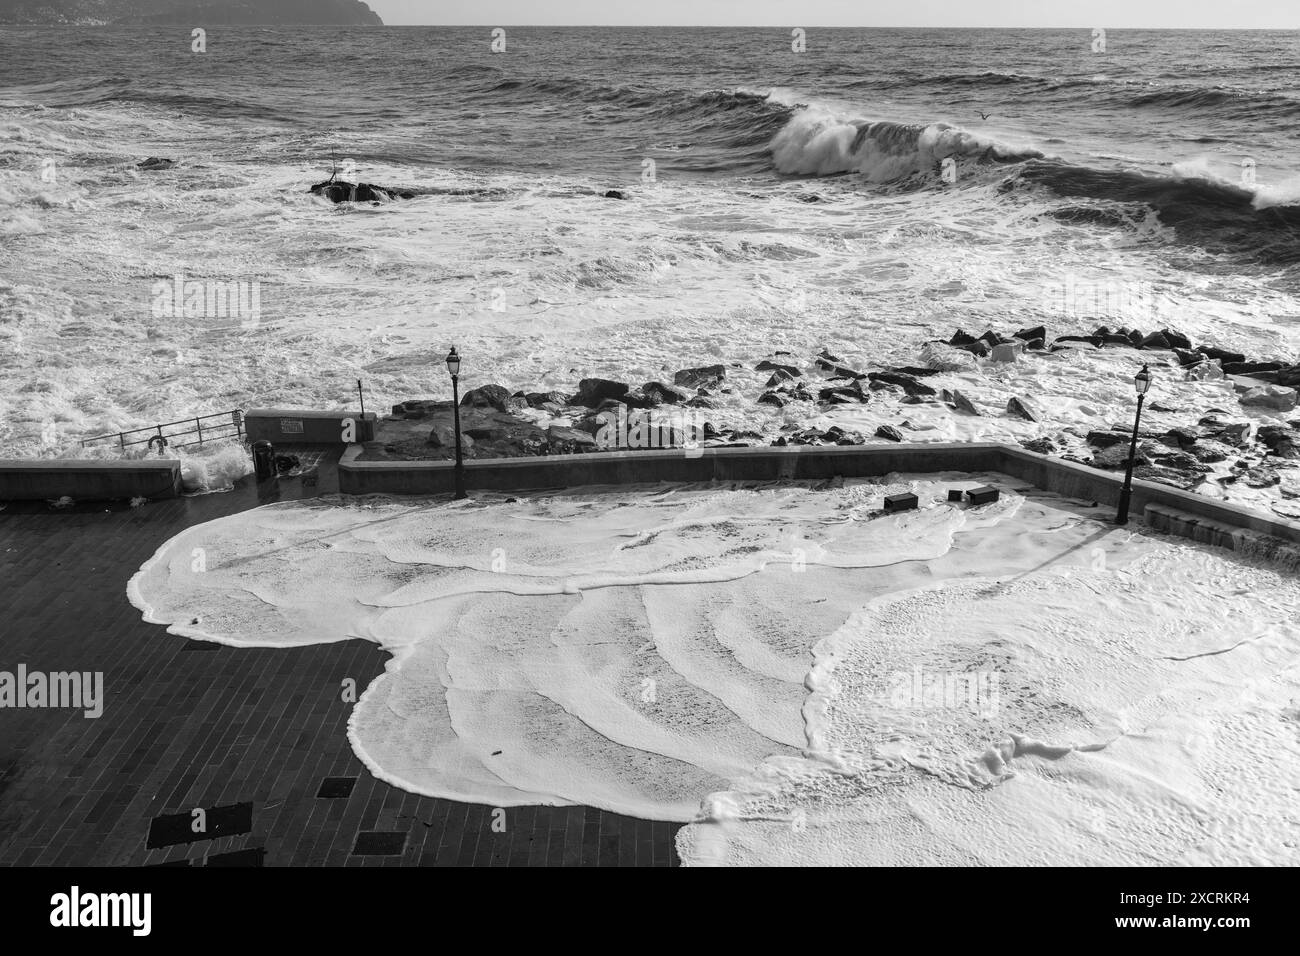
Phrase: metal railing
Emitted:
{"points": [[203, 427]]}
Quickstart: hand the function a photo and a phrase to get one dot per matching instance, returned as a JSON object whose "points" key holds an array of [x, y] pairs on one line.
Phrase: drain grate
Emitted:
{"points": [[335, 788], [379, 843], [252, 857], [198, 646], [171, 829]]}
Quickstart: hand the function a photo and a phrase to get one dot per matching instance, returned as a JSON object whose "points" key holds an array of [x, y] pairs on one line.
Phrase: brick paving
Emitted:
{"points": [[189, 725]]}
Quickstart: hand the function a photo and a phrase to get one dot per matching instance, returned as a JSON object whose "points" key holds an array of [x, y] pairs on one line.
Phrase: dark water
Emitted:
{"points": [[860, 169]]}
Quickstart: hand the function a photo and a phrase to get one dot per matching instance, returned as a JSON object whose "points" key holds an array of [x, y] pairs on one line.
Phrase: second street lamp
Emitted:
{"points": [[453, 366], [1141, 382]]}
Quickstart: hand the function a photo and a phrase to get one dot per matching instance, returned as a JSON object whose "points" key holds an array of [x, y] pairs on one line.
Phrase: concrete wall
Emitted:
{"points": [[296, 426], [626, 467], [87, 480], [1068, 479]]}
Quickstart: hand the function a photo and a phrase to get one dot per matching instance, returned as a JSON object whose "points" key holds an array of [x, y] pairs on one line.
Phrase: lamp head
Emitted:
{"points": [[1142, 381], [453, 362]]}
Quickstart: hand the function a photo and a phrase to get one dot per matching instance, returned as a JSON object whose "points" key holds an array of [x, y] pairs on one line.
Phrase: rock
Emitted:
{"points": [[592, 391], [1289, 376], [1158, 340], [1074, 342], [1028, 335], [1186, 357], [1042, 446], [779, 377], [541, 399], [706, 375], [701, 401], [939, 357], [842, 394], [1114, 339], [1116, 456], [1136, 337], [615, 194], [908, 383], [155, 163], [1260, 476], [1022, 409], [338, 190], [639, 398], [1005, 352], [1176, 340], [1275, 397], [1099, 439], [771, 398], [488, 396], [1209, 451], [1036, 345], [662, 394], [1234, 433], [1180, 437], [837, 370], [1279, 439], [1264, 371], [889, 432], [568, 441], [961, 338], [979, 348], [963, 403], [1233, 358], [444, 436], [1206, 371], [1179, 461], [991, 339], [767, 366]]}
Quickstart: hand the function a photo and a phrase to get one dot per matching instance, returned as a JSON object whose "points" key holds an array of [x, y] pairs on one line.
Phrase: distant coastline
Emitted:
{"points": [[192, 12]]}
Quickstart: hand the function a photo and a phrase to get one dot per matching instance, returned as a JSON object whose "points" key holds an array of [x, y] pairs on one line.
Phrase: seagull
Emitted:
{"points": [[983, 115]]}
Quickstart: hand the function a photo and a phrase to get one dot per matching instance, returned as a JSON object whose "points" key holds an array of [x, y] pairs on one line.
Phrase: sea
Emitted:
{"points": [[611, 202]]}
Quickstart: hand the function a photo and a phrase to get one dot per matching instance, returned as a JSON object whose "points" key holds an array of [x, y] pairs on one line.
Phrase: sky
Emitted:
{"points": [[1111, 14]]}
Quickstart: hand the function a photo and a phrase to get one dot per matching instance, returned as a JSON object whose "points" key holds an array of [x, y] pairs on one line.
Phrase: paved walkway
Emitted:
{"points": [[190, 725]]}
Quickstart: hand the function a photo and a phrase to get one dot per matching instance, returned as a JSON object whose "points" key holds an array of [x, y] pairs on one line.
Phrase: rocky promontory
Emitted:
{"points": [[191, 13]]}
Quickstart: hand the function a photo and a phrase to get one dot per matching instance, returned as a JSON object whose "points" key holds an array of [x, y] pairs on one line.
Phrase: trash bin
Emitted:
{"points": [[263, 460]]}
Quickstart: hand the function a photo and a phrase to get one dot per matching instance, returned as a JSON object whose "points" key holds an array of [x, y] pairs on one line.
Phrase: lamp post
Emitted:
{"points": [[453, 366], [1141, 382]]}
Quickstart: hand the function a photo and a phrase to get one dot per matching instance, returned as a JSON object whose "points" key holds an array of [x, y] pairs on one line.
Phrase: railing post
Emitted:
{"points": [[199, 425], [121, 440]]}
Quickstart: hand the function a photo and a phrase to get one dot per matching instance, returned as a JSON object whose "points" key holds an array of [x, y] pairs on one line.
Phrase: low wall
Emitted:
{"points": [[296, 426], [1066, 478], [87, 480], [627, 467]]}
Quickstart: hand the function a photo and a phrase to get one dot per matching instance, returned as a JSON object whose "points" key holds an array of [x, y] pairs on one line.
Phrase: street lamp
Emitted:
{"points": [[453, 366], [1141, 382]]}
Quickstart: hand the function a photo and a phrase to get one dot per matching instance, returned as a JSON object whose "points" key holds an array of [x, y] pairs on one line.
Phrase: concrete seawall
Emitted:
{"points": [[89, 480], [1165, 507]]}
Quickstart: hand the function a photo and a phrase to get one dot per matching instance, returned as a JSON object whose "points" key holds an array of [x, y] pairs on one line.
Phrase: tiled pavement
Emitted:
{"points": [[192, 725]]}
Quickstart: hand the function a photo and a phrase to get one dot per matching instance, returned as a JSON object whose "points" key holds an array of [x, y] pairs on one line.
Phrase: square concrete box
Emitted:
{"points": [[901, 502], [955, 494], [982, 495]]}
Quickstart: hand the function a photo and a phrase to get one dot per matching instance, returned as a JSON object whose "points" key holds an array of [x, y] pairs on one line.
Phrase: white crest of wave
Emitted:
{"points": [[819, 142]]}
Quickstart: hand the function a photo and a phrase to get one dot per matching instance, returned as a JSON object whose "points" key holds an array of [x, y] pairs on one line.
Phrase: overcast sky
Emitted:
{"points": [[1112, 14]]}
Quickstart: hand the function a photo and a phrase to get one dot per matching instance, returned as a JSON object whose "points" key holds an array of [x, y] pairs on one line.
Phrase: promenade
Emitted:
{"points": [[189, 725]]}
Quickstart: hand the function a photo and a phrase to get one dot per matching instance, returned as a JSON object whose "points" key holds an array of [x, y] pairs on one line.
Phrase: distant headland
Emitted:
{"points": [[189, 12]]}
